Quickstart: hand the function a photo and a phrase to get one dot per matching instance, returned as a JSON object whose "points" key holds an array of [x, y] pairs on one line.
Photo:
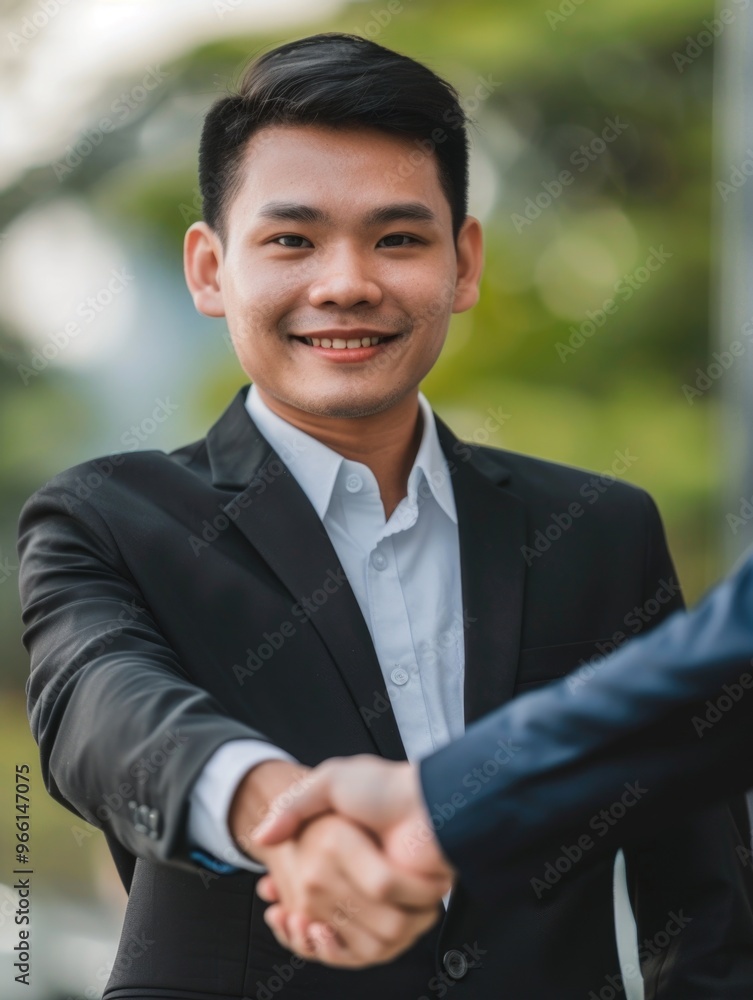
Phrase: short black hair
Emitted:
{"points": [[340, 81]]}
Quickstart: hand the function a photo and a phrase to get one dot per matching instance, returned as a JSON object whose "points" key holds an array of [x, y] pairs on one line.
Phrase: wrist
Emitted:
{"points": [[253, 798]]}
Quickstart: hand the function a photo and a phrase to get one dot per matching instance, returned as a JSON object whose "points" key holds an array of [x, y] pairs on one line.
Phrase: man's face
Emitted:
{"points": [[327, 245]]}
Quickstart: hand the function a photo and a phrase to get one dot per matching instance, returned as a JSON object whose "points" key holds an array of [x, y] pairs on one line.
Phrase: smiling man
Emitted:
{"points": [[332, 572]]}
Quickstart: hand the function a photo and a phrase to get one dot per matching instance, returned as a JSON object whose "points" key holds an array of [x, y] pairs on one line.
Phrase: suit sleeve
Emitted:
{"points": [[689, 866], [670, 713], [123, 733]]}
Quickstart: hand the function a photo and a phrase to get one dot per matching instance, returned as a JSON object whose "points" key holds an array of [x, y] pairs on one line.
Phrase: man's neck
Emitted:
{"points": [[386, 442]]}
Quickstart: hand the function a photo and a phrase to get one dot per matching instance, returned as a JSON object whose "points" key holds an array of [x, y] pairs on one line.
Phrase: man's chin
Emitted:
{"points": [[350, 406]]}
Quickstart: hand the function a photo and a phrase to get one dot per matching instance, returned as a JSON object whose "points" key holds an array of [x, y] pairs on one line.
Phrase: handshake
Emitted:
{"points": [[355, 873]]}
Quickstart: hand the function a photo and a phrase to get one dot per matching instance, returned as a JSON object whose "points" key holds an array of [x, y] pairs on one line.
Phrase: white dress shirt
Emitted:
{"points": [[405, 574]]}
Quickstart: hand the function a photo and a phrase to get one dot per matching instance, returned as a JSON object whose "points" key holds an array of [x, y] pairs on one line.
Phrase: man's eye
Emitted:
{"points": [[301, 241], [398, 237]]}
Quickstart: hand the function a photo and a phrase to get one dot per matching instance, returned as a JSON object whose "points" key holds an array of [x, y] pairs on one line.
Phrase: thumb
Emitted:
{"points": [[291, 809]]}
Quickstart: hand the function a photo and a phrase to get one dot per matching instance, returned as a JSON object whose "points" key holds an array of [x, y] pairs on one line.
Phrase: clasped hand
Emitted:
{"points": [[355, 872]]}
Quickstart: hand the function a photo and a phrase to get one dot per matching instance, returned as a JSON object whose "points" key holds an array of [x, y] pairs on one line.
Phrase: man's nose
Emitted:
{"points": [[345, 280]]}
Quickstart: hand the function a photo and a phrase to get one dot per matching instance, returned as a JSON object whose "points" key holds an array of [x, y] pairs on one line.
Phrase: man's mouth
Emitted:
{"points": [[342, 343]]}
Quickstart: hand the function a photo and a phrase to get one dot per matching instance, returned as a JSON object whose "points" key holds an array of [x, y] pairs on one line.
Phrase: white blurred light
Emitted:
{"points": [[66, 285]]}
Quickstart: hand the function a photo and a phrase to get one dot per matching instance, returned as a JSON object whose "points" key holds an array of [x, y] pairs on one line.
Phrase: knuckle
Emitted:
{"points": [[393, 928], [311, 881], [379, 885], [372, 951]]}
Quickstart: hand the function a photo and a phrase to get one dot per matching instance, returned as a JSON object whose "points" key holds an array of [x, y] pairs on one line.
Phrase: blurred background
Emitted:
{"points": [[605, 326]]}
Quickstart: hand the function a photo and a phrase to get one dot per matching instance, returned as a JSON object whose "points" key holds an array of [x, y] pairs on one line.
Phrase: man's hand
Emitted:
{"points": [[262, 786], [334, 882], [383, 797]]}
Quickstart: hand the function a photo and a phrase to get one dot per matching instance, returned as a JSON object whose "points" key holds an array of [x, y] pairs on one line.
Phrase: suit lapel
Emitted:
{"points": [[271, 510], [492, 531], [276, 517]]}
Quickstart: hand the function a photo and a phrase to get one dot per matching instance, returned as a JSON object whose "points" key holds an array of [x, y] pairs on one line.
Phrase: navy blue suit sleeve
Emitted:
{"points": [[670, 716]]}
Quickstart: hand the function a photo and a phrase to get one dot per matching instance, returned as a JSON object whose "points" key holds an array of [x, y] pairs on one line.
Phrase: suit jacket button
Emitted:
{"points": [[455, 963], [154, 823]]}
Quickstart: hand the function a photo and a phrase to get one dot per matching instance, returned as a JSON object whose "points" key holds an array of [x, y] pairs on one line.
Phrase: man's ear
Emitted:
{"points": [[202, 262], [470, 257]]}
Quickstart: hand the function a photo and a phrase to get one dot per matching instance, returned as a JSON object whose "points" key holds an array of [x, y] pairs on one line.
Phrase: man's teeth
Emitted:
{"points": [[339, 344]]}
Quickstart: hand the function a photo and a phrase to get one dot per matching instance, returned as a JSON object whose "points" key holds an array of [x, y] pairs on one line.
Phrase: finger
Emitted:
{"points": [[267, 890], [333, 951], [355, 946], [392, 926], [298, 934], [377, 879], [289, 811], [413, 845], [276, 918], [330, 947]]}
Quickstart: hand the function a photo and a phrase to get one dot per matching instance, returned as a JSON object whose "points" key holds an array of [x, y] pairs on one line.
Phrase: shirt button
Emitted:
{"points": [[353, 483], [399, 676], [379, 561]]}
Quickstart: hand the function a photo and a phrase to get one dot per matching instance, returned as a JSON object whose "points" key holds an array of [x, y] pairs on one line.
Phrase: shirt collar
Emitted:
{"points": [[315, 466]]}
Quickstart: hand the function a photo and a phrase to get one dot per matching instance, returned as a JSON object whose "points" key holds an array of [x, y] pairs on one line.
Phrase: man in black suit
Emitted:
{"points": [[331, 572]]}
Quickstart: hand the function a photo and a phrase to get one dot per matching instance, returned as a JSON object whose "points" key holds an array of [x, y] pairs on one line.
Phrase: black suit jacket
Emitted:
{"points": [[674, 707], [147, 582]]}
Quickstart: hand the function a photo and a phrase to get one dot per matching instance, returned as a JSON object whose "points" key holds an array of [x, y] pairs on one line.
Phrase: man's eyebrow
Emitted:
{"points": [[288, 211], [411, 211]]}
